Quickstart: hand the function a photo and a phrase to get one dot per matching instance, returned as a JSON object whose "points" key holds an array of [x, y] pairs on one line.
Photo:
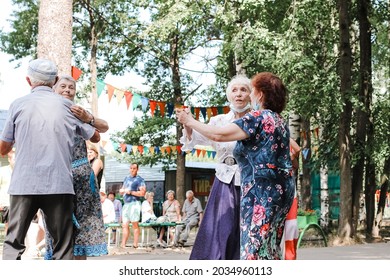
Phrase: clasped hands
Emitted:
{"points": [[184, 115]]}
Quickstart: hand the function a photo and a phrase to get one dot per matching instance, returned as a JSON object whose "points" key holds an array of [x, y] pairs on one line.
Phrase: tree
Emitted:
{"points": [[55, 33]]}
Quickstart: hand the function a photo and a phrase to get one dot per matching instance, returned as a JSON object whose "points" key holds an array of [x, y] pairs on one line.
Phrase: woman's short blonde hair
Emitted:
{"points": [[149, 194]]}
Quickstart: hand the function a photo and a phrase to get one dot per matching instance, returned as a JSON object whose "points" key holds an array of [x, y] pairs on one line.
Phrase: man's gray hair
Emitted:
{"points": [[42, 72], [189, 192]]}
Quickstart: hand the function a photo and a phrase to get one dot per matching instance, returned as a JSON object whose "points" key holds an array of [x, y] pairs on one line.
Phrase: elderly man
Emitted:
{"points": [[42, 127], [192, 214]]}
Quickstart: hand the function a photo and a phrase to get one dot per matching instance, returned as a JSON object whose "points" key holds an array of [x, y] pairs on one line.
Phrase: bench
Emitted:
{"points": [[143, 227], [318, 229]]}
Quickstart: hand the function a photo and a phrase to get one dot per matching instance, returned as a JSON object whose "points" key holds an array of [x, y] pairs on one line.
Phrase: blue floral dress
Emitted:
{"points": [[267, 186], [89, 231]]}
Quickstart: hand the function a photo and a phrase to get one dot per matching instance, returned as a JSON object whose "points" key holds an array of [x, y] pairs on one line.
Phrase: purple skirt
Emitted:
{"points": [[218, 237]]}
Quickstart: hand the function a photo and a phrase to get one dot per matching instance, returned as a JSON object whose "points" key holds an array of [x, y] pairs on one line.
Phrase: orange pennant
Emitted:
{"points": [[141, 149], [152, 106], [76, 73], [110, 91], [209, 113], [128, 96], [161, 105], [123, 147]]}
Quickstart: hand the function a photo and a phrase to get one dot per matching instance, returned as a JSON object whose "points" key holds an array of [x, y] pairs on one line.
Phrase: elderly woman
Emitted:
{"points": [[89, 235], [220, 230], [262, 153], [171, 209]]}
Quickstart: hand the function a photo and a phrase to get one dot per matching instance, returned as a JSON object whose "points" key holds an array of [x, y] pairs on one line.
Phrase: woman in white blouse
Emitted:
{"points": [[219, 231]]}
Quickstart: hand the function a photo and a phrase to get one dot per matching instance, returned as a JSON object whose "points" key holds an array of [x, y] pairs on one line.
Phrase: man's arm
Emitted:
{"points": [[95, 137], [87, 117], [5, 147]]}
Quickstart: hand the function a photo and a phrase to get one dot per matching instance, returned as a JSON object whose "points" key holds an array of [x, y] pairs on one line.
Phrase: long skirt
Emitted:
{"points": [[218, 236]]}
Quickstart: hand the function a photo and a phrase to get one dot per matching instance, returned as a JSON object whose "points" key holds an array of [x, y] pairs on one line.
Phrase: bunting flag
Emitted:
{"points": [[100, 87], [163, 150], [76, 73], [128, 96], [110, 92], [163, 106], [119, 95]]}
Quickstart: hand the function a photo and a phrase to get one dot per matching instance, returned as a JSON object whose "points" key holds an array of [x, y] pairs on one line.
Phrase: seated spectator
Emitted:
{"points": [[193, 214], [148, 216], [107, 209], [171, 209], [118, 212]]}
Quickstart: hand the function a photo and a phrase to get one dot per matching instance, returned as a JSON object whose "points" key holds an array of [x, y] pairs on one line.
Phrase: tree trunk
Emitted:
{"points": [[305, 189], [92, 63], [381, 205], [345, 218], [55, 33], [364, 108], [176, 82]]}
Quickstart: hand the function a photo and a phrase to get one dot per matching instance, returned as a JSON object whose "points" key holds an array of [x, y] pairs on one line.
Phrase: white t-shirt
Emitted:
{"points": [[147, 212], [108, 210]]}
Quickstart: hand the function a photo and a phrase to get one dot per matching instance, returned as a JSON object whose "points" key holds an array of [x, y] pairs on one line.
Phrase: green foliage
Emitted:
{"points": [[150, 132], [21, 41]]}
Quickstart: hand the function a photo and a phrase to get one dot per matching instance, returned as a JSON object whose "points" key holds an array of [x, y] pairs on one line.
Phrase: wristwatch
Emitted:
{"points": [[92, 121]]}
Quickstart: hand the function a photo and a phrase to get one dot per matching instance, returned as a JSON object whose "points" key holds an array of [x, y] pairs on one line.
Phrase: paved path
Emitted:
{"points": [[372, 251]]}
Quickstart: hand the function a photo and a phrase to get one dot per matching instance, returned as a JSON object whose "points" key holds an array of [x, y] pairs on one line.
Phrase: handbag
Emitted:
{"points": [[162, 219]]}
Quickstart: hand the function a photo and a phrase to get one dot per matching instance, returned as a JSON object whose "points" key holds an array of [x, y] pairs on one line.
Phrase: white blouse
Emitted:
{"points": [[224, 150]]}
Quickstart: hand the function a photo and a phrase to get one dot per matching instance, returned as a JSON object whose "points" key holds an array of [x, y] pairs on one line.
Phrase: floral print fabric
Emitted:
{"points": [[267, 187]]}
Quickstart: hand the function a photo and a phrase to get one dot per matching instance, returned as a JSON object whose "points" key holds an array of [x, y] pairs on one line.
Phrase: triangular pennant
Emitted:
{"points": [[168, 150], [171, 106], [193, 151], [214, 153], [226, 109], [197, 111], [136, 100], [110, 91], [220, 110], [135, 149], [76, 73], [153, 105], [146, 150], [161, 106], [157, 150], [141, 149], [209, 154], [151, 150], [128, 96], [198, 151], [203, 153], [100, 87], [115, 145], [214, 111], [123, 147], [192, 110], [173, 149], [144, 103], [162, 149], [203, 111], [129, 148], [209, 113], [119, 95], [178, 149]]}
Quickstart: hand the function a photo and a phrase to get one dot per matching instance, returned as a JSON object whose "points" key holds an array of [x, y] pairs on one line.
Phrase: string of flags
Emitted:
{"points": [[172, 149]]}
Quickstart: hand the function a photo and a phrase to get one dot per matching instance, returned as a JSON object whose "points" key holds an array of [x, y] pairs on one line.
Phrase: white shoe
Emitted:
{"points": [[162, 244]]}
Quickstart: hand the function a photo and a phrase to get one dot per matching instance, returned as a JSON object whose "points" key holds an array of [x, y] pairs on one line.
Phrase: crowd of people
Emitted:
{"points": [[252, 196]]}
